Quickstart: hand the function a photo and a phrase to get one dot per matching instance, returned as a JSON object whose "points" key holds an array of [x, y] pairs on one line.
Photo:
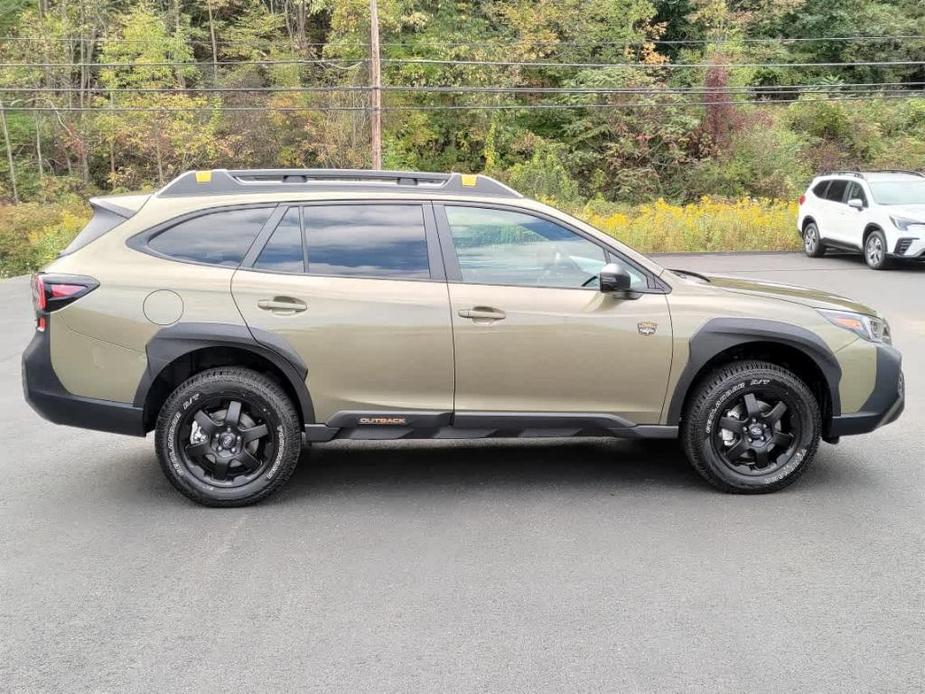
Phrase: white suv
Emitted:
{"points": [[879, 213]]}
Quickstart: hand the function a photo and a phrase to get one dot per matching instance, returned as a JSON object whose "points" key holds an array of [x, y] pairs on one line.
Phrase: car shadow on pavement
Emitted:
{"points": [[856, 260], [417, 465], [365, 469]]}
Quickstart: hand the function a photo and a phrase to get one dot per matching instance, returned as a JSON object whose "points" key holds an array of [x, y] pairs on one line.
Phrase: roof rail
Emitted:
{"points": [[899, 171], [856, 174], [861, 174], [237, 181]]}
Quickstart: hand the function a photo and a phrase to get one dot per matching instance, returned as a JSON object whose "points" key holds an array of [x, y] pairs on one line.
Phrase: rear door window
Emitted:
{"points": [[386, 241], [216, 238], [836, 191]]}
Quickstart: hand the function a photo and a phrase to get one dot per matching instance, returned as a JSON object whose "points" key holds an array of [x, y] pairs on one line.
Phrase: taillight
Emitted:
{"points": [[51, 292], [802, 199]]}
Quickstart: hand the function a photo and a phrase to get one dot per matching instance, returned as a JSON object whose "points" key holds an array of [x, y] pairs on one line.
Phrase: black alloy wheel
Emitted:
{"points": [[226, 441], [228, 436], [756, 434], [751, 427]]}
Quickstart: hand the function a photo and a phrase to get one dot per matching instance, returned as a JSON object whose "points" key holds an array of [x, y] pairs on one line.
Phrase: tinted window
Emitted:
{"points": [[855, 191], [836, 191], [219, 238], [819, 189], [283, 252], [366, 240], [504, 247]]}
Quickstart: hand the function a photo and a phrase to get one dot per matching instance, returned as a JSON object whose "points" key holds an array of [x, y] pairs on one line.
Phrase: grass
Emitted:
{"points": [[31, 234]]}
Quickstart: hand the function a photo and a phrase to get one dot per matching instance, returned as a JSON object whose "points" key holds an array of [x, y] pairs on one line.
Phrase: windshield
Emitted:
{"points": [[898, 192]]}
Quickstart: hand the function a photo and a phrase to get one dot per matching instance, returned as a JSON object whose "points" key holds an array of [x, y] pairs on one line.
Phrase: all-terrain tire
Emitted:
{"points": [[721, 397], [263, 407]]}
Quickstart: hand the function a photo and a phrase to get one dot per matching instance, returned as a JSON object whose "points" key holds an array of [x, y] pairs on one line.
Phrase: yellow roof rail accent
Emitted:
{"points": [[203, 177], [469, 180]]}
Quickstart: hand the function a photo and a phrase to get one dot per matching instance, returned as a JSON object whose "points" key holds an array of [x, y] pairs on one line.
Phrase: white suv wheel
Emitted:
{"points": [[875, 251], [812, 245]]}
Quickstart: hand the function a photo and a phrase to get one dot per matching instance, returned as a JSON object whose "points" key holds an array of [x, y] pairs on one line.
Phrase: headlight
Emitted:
{"points": [[904, 224], [870, 328]]}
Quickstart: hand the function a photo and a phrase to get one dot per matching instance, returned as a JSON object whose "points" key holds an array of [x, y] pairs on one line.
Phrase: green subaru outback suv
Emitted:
{"points": [[243, 314]]}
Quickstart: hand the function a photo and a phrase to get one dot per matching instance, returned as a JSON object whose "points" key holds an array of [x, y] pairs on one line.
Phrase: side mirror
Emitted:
{"points": [[614, 278], [856, 203]]}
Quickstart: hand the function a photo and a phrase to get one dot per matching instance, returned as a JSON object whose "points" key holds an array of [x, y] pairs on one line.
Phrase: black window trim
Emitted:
{"points": [[139, 242], [655, 285], [263, 238], [434, 257]]}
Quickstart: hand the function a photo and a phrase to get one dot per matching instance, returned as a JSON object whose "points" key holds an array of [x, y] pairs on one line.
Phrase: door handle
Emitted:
{"points": [[483, 313], [282, 305]]}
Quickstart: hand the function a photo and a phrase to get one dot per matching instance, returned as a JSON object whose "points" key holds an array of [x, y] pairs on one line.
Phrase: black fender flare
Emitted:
{"points": [[720, 334], [173, 342]]}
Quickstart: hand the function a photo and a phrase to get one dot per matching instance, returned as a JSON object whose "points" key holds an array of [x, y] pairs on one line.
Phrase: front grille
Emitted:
{"points": [[903, 245]]}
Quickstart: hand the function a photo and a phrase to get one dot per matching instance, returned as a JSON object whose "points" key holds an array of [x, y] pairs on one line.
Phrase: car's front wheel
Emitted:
{"points": [[228, 437], [812, 243], [751, 427], [875, 251]]}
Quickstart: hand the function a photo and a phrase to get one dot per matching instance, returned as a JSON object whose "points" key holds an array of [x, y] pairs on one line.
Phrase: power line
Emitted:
{"points": [[457, 107], [650, 66], [203, 64], [437, 89], [507, 41], [491, 63]]}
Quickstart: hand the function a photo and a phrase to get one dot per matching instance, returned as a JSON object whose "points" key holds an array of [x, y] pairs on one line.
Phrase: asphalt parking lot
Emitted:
{"points": [[495, 566]]}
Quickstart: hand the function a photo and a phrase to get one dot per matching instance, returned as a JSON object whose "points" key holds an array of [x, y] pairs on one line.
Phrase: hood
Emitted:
{"points": [[814, 298], [916, 212]]}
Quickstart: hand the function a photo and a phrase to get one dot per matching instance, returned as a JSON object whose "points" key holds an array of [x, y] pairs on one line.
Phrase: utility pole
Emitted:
{"points": [[9, 152], [375, 76]]}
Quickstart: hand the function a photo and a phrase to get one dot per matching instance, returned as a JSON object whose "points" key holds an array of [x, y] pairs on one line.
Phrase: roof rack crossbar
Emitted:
{"points": [[236, 181]]}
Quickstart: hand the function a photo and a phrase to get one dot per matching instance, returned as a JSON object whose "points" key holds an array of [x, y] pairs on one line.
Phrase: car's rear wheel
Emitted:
{"points": [[751, 427], [228, 437], [875, 251], [812, 243]]}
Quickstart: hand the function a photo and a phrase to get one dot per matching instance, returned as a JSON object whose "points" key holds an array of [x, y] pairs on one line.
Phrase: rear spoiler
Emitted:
{"points": [[108, 213], [123, 205]]}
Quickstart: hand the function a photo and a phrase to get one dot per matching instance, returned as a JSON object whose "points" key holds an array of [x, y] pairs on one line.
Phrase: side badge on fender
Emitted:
{"points": [[647, 327]]}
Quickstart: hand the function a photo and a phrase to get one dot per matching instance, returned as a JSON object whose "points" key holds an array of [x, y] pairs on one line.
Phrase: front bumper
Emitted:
{"points": [[910, 248], [885, 403], [47, 396]]}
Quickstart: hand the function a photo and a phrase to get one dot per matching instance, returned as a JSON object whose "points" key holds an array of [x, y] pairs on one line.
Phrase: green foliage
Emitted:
{"points": [[764, 159], [544, 175], [31, 234], [623, 148]]}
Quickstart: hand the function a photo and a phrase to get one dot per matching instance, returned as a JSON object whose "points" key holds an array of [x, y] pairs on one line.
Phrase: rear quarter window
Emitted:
{"points": [[214, 238], [820, 188]]}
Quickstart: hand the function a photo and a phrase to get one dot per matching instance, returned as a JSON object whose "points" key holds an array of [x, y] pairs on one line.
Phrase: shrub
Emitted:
{"points": [[544, 175], [31, 234]]}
